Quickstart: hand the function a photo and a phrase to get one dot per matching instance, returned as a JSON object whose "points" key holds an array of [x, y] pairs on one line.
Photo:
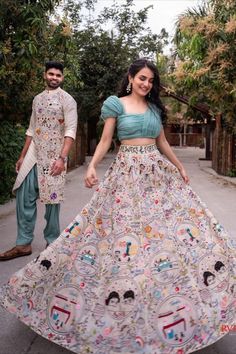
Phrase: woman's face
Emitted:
{"points": [[142, 82]]}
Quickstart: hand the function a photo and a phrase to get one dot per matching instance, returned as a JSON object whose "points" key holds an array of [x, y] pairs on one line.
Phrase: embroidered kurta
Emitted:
{"points": [[54, 116]]}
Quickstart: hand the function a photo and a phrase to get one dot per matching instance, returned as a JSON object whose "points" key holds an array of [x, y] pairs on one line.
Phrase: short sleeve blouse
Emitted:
{"points": [[111, 107], [132, 125]]}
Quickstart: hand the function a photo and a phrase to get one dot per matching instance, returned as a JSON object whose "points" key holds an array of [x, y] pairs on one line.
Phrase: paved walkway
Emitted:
{"points": [[219, 194]]}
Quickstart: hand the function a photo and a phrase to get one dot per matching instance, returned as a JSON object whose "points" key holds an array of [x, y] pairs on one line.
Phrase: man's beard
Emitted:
{"points": [[53, 85]]}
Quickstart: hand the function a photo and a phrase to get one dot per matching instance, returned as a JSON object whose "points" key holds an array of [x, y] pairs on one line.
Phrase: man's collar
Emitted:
{"points": [[52, 91]]}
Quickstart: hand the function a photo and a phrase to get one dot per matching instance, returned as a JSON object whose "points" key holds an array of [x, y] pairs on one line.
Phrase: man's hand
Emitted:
{"points": [[57, 167], [18, 164]]}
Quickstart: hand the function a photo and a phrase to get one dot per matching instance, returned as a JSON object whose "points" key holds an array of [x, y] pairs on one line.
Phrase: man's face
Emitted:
{"points": [[53, 78]]}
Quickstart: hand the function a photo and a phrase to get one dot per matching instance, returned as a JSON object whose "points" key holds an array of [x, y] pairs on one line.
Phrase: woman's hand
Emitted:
{"points": [[184, 174], [91, 177], [165, 149]]}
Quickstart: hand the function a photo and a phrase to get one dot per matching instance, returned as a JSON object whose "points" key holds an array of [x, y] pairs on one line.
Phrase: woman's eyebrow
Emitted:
{"points": [[150, 78]]}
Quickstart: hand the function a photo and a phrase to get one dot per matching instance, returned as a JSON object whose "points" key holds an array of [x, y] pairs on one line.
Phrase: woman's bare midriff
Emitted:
{"points": [[138, 141]]}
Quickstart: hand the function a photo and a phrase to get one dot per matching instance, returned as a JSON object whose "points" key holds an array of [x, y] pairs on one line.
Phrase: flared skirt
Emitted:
{"points": [[143, 268]]}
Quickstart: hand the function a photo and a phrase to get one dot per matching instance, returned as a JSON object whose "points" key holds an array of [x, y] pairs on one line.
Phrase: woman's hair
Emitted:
{"points": [[112, 295], [206, 275], [219, 265], [154, 95]]}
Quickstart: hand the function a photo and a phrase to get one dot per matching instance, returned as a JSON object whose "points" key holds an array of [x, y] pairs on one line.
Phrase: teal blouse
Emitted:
{"points": [[132, 125]]}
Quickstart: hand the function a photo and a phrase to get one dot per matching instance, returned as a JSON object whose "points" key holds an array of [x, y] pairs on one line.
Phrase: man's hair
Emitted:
{"points": [[54, 65]]}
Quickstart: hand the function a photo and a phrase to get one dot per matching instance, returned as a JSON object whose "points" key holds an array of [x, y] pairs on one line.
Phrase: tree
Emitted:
{"points": [[206, 53], [27, 39], [104, 55]]}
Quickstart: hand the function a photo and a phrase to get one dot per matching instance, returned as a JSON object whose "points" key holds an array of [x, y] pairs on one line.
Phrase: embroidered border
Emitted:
{"points": [[138, 149]]}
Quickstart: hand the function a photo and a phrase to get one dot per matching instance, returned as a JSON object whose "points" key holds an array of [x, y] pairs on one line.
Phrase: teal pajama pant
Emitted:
{"points": [[26, 210]]}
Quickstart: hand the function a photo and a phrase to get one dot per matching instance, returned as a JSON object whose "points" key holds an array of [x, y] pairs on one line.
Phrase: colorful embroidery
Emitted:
{"points": [[49, 129], [144, 268]]}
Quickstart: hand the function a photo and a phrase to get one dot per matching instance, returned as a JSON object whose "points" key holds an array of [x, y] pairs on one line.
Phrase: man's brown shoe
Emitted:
{"points": [[17, 251]]}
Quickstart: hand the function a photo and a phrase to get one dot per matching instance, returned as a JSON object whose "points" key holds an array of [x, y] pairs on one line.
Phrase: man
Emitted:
{"points": [[41, 167]]}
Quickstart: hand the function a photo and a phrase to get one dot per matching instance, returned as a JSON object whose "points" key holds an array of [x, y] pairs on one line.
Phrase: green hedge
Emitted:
{"points": [[12, 139]]}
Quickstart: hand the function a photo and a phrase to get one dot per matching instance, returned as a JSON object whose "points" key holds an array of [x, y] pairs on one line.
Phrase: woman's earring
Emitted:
{"points": [[128, 88], [149, 95]]}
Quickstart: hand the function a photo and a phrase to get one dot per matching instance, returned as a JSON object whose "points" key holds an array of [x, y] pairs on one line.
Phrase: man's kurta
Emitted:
{"points": [[54, 117]]}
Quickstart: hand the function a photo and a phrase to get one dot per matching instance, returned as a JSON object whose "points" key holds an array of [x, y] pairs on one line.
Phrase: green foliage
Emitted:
{"points": [[25, 44], [11, 142], [103, 56], [232, 173], [205, 48]]}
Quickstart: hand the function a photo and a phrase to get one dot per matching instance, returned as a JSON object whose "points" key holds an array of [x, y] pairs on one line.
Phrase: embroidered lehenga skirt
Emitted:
{"points": [[144, 268]]}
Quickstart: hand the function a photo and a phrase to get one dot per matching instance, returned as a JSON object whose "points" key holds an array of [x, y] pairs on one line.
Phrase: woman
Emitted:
{"points": [[130, 273]]}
